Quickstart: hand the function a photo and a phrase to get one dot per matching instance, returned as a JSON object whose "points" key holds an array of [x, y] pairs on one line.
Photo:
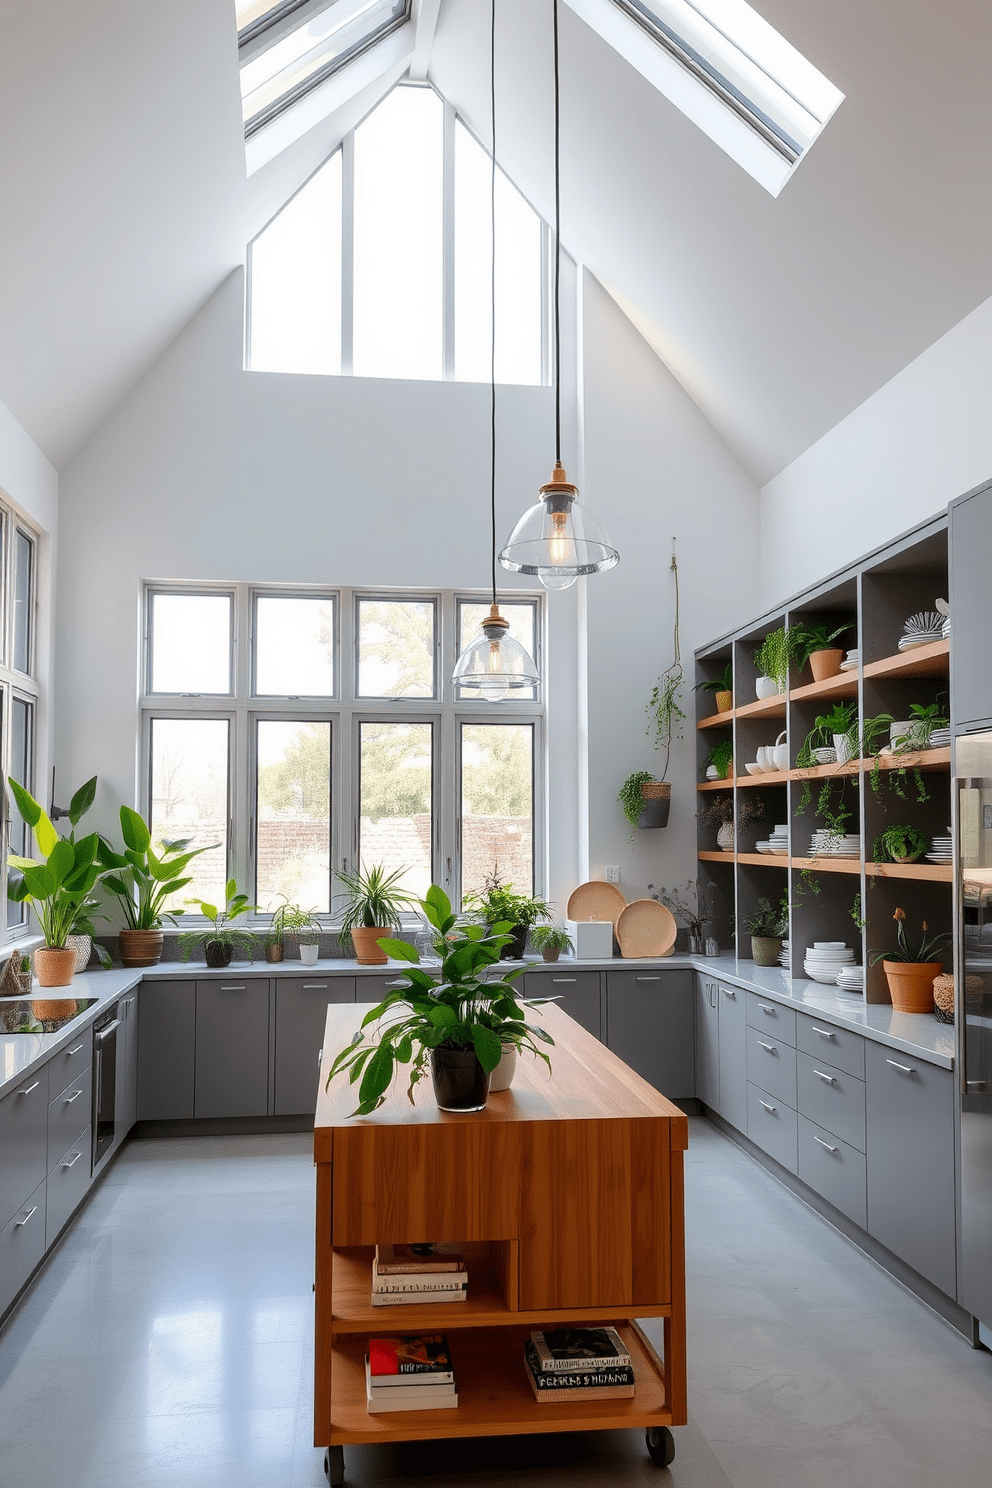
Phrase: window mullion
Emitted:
{"points": [[448, 242], [348, 254]]}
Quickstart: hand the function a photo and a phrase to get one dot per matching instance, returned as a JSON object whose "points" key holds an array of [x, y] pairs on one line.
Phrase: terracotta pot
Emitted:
{"points": [[363, 938], [274, 952], [140, 947], [550, 953], [54, 968], [911, 984], [765, 949], [724, 701], [824, 664]]}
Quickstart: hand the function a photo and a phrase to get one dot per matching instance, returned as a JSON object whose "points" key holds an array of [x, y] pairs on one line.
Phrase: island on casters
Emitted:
{"points": [[565, 1194]]}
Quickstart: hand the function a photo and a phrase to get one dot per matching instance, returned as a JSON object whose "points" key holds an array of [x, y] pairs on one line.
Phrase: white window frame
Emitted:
{"points": [[17, 684], [344, 713]]}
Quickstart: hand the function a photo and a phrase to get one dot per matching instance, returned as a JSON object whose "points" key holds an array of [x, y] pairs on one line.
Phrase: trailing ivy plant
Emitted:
{"points": [[631, 798], [664, 707], [855, 912], [776, 653]]}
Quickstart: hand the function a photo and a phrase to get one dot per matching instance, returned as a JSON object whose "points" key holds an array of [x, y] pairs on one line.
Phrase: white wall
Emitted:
{"points": [[654, 469], [922, 439]]}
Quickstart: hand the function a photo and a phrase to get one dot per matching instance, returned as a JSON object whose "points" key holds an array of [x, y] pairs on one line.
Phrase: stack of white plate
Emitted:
{"points": [[785, 955], [851, 979], [826, 959], [945, 629], [850, 662], [825, 844], [940, 851], [921, 629], [778, 842], [940, 738]]}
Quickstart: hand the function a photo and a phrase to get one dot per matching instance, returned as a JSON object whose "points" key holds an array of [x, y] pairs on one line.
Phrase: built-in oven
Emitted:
{"points": [[104, 1082]]}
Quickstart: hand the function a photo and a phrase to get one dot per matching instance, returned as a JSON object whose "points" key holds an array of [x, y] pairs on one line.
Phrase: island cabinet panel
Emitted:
{"points": [[166, 1041]]}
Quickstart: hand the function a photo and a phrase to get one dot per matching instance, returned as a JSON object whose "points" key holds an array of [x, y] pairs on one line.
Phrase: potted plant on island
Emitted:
{"points": [[373, 904], [454, 1021], [722, 689], [551, 941], [142, 881], [766, 925], [221, 937], [910, 969], [899, 845], [816, 645], [498, 904], [56, 888]]}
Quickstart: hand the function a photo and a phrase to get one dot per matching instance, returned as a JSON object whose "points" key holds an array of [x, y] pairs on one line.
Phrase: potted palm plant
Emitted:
{"points": [[911, 968], [56, 887], [722, 688], [816, 645], [222, 937], [142, 881], [454, 1022], [373, 904]]}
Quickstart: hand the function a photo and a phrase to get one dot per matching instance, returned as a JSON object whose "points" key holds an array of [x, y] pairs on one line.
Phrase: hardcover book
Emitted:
{"points": [[406, 1393], [571, 1349], [412, 1353], [556, 1381], [423, 1259], [407, 1299]]}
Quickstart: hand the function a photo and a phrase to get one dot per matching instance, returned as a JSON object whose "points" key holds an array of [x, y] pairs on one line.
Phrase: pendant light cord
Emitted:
{"points": [[557, 246], [492, 285]]}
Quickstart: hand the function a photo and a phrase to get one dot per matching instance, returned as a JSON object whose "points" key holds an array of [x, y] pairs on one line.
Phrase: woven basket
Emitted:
{"points": [[943, 997], [656, 790]]}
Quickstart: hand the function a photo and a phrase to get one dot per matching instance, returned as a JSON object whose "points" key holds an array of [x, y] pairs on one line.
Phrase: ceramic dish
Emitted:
{"points": [[646, 928], [595, 901], [753, 768]]}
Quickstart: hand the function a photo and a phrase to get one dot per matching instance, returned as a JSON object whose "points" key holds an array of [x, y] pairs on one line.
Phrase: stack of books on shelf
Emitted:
{"points": [[409, 1373], [406, 1274], [579, 1364]]}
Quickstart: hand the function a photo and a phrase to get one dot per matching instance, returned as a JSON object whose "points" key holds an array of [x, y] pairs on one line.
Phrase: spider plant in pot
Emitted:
{"points": [[911, 968], [143, 881], [816, 645], [222, 938], [766, 924], [899, 845], [551, 941], [721, 687], [498, 904], [292, 922], [373, 904], [453, 1021], [55, 887]]}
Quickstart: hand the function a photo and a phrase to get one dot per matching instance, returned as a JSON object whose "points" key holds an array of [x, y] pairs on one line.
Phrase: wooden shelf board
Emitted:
{"points": [[764, 777], [727, 783], [494, 1396], [921, 759], [715, 720], [764, 860], [770, 707], [716, 857], [932, 872], [844, 685], [932, 660], [828, 864]]}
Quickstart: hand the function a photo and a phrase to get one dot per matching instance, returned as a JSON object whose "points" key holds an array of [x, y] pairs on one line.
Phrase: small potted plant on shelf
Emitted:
{"points": [[689, 905], [222, 938], [56, 888], [899, 845], [455, 1021], [911, 968], [373, 904], [766, 924], [551, 941], [292, 922], [142, 881], [719, 813], [773, 658], [722, 689], [719, 759], [816, 645], [499, 904], [835, 730]]}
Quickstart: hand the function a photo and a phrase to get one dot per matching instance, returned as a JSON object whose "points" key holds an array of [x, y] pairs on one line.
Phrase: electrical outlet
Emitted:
{"points": [[613, 873]]}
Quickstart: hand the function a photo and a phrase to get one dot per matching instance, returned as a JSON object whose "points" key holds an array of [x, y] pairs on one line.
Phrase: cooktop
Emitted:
{"points": [[40, 1014]]}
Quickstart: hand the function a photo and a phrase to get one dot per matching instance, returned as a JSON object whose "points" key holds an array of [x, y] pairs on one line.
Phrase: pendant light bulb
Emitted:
{"points": [[495, 664], [557, 540]]}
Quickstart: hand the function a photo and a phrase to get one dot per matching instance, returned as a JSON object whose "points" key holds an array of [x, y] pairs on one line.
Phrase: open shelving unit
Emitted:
{"points": [[827, 894]]}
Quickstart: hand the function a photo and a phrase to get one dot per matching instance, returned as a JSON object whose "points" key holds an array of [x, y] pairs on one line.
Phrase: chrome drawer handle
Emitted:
{"points": [[74, 1096], [772, 1109], [824, 1144], [828, 1078], [74, 1160], [907, 1069], [765, 1008], [770, 1047], [27, 1091], [643, 979], [728, 992], [239, 988], [570, 979], [315, 986], [105, 1033], [76, 1050], [824, 1032], [26, 1217], [976, 1084]]}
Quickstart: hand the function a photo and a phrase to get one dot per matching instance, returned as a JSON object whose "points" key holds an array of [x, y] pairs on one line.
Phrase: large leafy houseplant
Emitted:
{"points": [[143, 881], [57, 887], [453, 1010], [498, 904], [373, 904]]}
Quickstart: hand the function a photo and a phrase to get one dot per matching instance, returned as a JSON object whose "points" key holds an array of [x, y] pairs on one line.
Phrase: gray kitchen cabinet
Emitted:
{"points": [[376, 984], [772, 1125], [834, 1170], [231, 1065], [840, 1047], [577, 993], [68, 1181], [22, 1244], [732, 1104], [771, 1065], [126, 1107], [833, 1099], [971, 606], [708, 1040], [166, 1045], [771, 1018], [23, 1144], [910, 1151], [301, 1011], [649, 1025], [68, 1113]]}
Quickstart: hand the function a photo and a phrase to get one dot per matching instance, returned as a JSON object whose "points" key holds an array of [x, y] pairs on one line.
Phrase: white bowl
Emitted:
{"points": [[754, 769]]}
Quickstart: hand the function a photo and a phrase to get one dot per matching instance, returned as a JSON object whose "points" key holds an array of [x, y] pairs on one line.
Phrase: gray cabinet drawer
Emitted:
{"points": [[772, 1017], [649, 1025], [772, 1065], [834, 1170], [23, 1142], [772, 1125], [67, 1184], [68, 1064], [577, 993], [375, 985], [833, 1099], [301, 1012], [68, 1113], [22, 1245], [838, 1046], [166, 1038]]}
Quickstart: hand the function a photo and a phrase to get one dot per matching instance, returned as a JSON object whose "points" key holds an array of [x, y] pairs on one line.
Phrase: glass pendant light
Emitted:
{"points": [[556, 539], [494, 665]]}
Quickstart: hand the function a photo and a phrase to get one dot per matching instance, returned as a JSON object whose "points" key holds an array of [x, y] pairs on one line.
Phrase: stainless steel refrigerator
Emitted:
{"points": [[973, 1016]]}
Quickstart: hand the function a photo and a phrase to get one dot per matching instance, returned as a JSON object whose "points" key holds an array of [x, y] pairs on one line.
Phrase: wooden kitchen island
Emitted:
{"points": [[565, 1194]]}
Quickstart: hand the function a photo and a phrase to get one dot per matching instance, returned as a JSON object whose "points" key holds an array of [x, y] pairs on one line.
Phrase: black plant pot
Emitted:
{"points": [[655, 812], [460, 1082], [514, 950], [217, 953]]}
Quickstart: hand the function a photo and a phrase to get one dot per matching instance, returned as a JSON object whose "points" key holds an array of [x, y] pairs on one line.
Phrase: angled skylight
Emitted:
{"points": [[729, 71], [287, 50]]}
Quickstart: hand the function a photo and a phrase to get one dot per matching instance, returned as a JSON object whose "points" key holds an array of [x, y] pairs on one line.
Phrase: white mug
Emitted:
{"points": [[780, 753]]}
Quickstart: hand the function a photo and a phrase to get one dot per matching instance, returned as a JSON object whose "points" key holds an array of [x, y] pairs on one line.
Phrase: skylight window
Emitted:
{"points": [[729, 71]]}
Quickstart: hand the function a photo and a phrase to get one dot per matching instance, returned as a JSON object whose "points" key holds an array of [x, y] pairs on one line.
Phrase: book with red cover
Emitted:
{"points": [[422, 1355]]}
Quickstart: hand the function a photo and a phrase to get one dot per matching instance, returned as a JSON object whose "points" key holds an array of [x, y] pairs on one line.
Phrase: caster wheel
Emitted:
{"points": [[334, 1465], [660, 1445]]}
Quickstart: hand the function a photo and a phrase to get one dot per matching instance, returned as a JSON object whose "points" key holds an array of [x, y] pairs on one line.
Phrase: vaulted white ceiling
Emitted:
{"points": [[124, 199]]}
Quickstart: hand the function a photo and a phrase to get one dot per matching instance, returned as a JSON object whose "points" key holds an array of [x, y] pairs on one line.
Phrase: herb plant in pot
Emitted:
{"points": [[294, 923], [899, 845], [498, 904], [911, 968], [222, 938], [722, 689], [766, 925], [816, 645], [143, 881], [373, 904], [454, 1021], [551, 941]]}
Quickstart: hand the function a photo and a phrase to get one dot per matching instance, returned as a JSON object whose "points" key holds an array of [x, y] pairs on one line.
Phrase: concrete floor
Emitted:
{"points": [[168, 1341]]}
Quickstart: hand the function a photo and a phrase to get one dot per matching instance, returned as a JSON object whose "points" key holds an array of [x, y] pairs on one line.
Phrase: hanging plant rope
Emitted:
{"points": [[664, 708]]}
